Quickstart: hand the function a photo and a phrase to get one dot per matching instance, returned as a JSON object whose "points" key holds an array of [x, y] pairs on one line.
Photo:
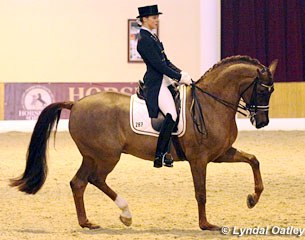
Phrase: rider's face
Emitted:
{"points": [[151, 22]]}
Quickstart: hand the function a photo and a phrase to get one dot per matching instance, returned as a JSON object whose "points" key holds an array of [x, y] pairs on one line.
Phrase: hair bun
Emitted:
{"points": [[139, 22]]}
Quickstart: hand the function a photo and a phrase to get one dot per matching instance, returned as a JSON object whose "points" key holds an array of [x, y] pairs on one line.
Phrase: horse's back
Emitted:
{"points": [[105, 111], [103, 100], [106, 102]]}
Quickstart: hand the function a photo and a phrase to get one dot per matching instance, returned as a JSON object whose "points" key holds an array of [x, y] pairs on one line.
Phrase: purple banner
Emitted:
{"points": [[25, 101]]}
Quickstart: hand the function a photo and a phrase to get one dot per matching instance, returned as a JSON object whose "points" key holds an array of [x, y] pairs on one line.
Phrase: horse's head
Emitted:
{"points": [[257, 100]]}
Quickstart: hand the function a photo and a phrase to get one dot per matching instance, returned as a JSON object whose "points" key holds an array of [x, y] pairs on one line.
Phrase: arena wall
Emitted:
{"points": [[288, 100]]}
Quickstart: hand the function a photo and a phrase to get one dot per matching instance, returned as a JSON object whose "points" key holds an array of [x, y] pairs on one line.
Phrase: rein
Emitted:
{"points": [[196, 110], [223, 102]]}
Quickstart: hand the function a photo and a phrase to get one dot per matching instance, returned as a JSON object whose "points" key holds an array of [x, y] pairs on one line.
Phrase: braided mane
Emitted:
{"points": [[233, 59]]}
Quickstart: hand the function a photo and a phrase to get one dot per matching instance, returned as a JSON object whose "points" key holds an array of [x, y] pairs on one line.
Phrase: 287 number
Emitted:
{"points": [[139, 124]]}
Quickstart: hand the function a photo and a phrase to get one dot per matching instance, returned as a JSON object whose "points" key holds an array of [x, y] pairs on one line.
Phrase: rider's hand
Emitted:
{"points": [[185, 78]]}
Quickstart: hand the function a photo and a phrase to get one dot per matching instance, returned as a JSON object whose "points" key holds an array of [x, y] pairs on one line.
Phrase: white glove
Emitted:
{"points": [[185, 78]]}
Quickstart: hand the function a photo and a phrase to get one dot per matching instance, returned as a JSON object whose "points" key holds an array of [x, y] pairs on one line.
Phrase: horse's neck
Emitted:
{"points": [[227, 82]]}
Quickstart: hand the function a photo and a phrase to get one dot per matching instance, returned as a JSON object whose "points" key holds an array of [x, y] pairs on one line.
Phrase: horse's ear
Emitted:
{"points": [[272, 66]]}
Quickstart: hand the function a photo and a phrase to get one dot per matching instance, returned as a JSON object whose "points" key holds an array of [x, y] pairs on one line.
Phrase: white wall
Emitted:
{"points": [[210, 34], [86, 40]]}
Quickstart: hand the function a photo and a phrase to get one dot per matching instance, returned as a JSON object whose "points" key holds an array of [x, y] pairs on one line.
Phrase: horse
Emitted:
{"points": [[99, 126]]}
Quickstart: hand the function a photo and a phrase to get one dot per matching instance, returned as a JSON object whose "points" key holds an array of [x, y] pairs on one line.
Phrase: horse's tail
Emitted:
{"points": [[35, 172]]}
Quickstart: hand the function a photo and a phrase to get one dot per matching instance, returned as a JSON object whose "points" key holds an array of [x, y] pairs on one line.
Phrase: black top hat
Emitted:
{"points": [[148, 11]]}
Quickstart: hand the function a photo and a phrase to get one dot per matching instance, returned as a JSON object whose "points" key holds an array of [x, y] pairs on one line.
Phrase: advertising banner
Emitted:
{"points": [[25, 101], [1, 101]]}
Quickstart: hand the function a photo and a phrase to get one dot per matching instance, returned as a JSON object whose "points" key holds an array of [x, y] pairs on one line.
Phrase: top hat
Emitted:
{"points": [[148, 11]]}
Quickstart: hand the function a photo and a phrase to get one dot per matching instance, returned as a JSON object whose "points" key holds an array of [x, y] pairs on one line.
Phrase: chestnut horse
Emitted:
{"points": [[99, 125]]}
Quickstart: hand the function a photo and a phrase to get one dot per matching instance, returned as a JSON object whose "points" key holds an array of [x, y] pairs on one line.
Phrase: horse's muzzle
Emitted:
{"points": [[262, 124], [260, 120]]}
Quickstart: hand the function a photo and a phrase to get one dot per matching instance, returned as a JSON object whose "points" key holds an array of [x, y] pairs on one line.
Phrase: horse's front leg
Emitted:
{"points": [[233, 155], [198, 169]]}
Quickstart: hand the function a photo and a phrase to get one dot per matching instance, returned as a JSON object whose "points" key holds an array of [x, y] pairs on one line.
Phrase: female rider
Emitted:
{"points": [[159, 75]]}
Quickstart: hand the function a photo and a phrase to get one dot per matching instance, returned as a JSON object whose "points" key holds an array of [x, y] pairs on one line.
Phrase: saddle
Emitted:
{"points": [[141, 123], [156, 123]]}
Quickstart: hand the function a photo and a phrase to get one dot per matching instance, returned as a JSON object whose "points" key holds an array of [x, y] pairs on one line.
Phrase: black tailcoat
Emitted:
{"points": [[152, 53]]}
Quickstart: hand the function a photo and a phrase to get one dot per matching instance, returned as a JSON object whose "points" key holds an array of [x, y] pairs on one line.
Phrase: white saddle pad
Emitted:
{"points": [[140, 121]]}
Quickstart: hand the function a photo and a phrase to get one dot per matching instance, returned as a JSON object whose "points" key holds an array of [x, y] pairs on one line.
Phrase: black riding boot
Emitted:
{"points": [[163, 141]]}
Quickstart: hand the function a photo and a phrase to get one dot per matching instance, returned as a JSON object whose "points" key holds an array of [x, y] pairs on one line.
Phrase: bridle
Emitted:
{"points": [[252, 107]]}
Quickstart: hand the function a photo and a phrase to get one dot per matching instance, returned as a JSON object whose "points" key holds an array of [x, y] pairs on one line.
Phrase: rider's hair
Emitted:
{"points": [[140, 21]]}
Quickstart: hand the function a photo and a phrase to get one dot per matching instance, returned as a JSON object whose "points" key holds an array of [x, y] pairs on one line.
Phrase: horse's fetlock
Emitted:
{"points": [[259, 188]]}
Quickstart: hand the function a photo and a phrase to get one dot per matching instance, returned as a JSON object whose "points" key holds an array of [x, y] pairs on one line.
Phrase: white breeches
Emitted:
{"points": [[165, 98]]}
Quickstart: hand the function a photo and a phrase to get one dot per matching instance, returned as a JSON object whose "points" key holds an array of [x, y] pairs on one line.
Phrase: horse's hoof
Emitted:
{"points": [[126, 221], [250, 201], [89, 225], [210, 227]]}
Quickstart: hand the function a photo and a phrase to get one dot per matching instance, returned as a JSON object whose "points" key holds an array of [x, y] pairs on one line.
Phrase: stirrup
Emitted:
{"points": [[164, 159], [168, 160], [158, 162]]}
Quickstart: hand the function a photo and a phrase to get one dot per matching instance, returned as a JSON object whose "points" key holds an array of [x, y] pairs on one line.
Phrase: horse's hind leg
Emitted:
{"points": [[98, 179], [78, 185], [233, 155]]}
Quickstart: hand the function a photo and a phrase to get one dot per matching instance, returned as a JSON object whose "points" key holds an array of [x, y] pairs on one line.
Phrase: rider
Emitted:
{"points": [[159, 75]]}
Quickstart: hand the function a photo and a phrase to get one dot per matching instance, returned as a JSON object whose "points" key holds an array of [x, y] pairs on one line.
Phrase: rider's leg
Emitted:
{"points": [[167, 106], [166, 101], [163, 140]]}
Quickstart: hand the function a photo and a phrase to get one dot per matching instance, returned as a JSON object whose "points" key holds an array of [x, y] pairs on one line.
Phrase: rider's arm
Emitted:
{"points": [[150, 53], [171, 65]]}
